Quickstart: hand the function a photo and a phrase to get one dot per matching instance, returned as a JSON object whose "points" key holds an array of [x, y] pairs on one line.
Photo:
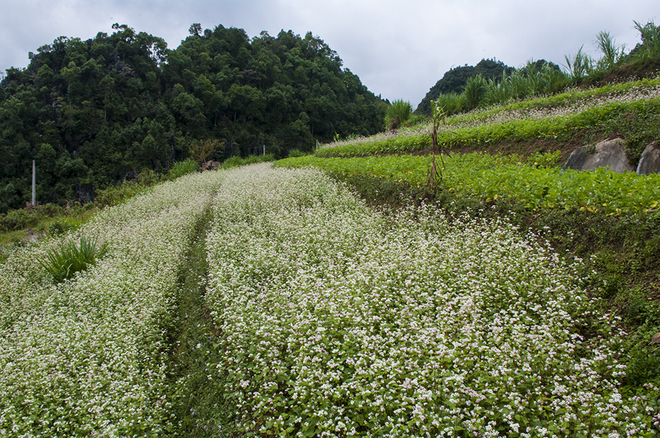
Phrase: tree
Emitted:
{"points": [[195, 29]]}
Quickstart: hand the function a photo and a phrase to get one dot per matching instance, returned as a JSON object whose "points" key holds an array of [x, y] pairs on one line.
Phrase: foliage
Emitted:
{"points": [[534, 79], [98, 112], [612, 54], [492, 177], [203, 150], [629, 109], [28, 218], [114, 195], [417, 324], [452, 103], [475, 89], [579, 66], [252, 159], [70, 257], [650, 35], [454, 81], [398, 113], [296, 153], [183, 168]]}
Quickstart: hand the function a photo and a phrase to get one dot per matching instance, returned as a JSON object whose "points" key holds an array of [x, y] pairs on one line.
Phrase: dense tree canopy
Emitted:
{"points": [[96, 112]]}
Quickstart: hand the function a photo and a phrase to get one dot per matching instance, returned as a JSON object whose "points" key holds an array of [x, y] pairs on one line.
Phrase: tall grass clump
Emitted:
{"points": [[612, 54], [69, 257], [451, 103], [475, 90], [398, 114], [650, 35], [579, 66]]}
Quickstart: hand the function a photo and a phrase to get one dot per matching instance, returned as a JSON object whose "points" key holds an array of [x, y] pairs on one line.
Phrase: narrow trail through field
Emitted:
{"points": [[196, 388]]}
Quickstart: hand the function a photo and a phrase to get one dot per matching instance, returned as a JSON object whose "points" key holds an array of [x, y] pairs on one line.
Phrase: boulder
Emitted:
{"points": [[650, 161], [608, 153], [210, 165]]}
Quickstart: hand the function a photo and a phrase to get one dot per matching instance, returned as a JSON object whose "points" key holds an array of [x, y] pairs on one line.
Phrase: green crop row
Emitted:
{"points": [[570, 97], [498, 177], [604, 118]]}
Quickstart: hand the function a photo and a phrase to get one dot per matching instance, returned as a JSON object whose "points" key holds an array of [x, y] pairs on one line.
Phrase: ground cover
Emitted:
{"points": [[535, 183], [616, 108], [89, 356], [338, 320]]}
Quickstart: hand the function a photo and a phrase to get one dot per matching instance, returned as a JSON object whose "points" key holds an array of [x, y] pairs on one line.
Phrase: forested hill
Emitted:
{"points": [[99, 111]]}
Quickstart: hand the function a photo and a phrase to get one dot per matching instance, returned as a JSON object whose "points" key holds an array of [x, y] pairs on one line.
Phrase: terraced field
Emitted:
{"points": [[274, 301]]}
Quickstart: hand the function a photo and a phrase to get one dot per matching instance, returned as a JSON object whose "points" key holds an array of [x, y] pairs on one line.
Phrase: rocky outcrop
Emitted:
{"points": [[608, 153], [210, 165], [650, 161]]}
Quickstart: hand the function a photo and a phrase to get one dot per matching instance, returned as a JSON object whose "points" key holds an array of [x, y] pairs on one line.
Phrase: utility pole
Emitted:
{"points": [[34, 183]]}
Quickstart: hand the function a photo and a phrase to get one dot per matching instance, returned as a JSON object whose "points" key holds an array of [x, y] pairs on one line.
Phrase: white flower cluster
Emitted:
{"points": [[88, 357], [336, 320]]}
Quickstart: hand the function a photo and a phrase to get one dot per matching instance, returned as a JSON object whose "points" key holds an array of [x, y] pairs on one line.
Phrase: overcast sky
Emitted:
{"points": [[399, 49]]}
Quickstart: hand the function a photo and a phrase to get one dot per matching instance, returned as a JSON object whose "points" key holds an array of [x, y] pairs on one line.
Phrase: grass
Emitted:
{"points": [[633, 111], [70, 257], [535, 182]]}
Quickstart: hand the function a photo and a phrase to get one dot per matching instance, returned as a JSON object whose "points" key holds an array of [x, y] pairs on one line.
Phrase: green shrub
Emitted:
{"points": [[236, 161], [183, 168], [452, 103], [17, 219], [58, 227], [70, 257], [115, 195], [398, 114], [475, 91], [293, 153], [650, 34]]}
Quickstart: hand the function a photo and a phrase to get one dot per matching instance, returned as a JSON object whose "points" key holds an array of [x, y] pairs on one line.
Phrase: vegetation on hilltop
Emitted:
{"points": [[491, 82], [97, 112]]}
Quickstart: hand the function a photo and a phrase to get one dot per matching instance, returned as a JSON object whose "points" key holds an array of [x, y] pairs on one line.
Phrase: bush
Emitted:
{"points": [[236, 161], [58, 227], [115, 195], [398, 114], [293, 153], [183, 168]]}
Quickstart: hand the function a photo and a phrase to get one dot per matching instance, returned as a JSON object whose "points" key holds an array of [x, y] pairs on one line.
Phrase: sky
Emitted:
{"points": [[398, 48]]}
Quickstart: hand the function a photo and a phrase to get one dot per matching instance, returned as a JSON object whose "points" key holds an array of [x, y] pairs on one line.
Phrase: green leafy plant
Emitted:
{"points": [[612, 54], [58, 227], [202, 150], [475, 90], [580, 66], [398, 114], [63, 261], [451, 103], [183, 168], [650, 34], [297, 153]]}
